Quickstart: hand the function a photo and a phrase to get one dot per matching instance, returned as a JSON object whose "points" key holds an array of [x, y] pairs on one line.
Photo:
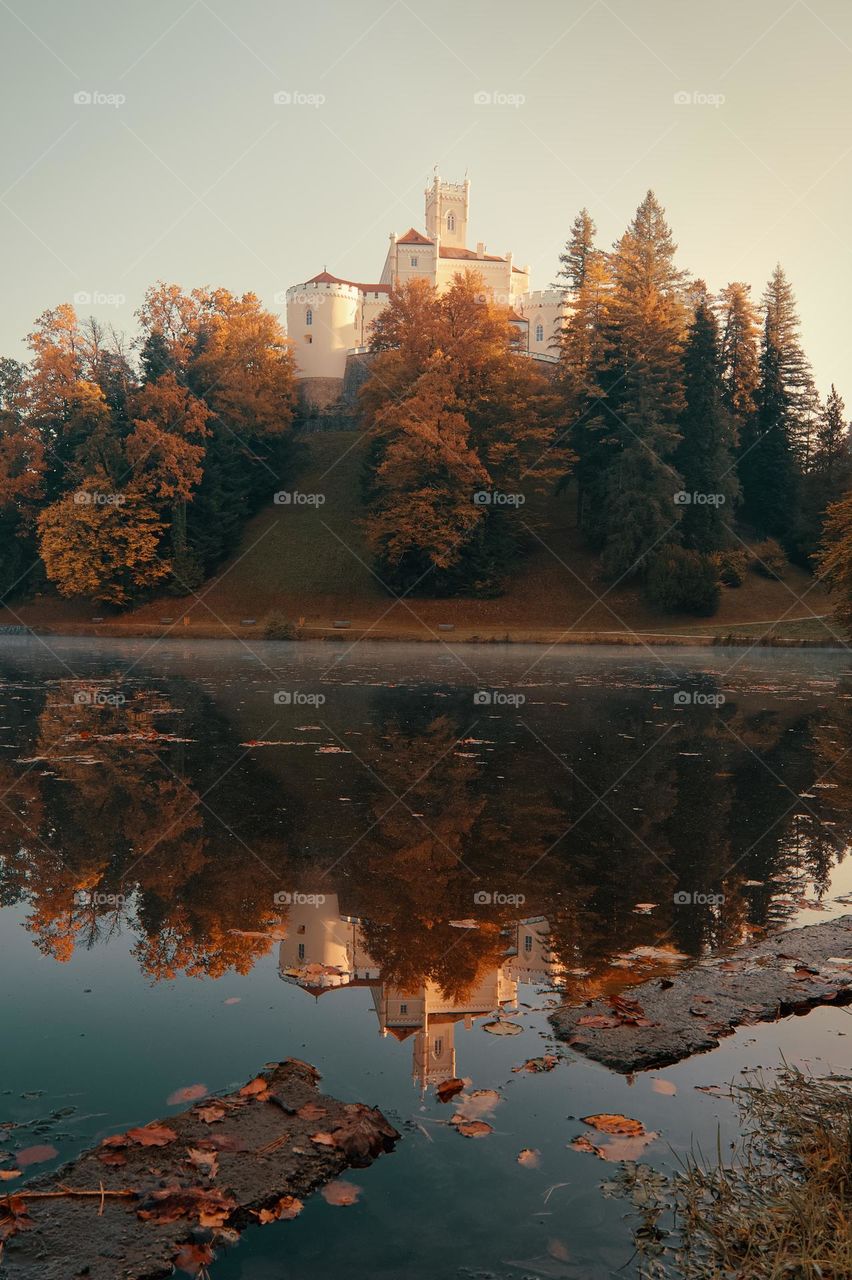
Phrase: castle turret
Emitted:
{"points": [[447, 205]]}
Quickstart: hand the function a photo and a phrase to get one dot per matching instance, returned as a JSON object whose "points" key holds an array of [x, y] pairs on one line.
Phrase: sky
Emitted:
{"points": [[144, 142]]}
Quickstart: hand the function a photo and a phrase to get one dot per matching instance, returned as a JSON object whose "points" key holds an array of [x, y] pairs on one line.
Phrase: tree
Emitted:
{"points": [[579, 250], [102, 544], [739, 354], [776, 442], [703, 457], [828, 477], [835, 557], [630, 434]]}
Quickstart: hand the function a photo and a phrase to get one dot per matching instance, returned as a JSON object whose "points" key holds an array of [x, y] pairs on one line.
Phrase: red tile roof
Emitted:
{"points": [[414, 237], [325, 278], [469, 255]]}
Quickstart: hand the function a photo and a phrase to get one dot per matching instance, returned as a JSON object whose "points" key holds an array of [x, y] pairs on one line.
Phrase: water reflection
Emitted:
{"points": [[458, 849]]}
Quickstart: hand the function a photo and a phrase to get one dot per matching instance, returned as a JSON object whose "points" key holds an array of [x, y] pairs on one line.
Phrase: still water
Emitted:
{"points": [[217, 855]]}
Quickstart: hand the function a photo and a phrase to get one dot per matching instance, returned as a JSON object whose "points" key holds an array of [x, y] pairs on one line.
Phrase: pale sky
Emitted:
{"points": [[199, 177]]}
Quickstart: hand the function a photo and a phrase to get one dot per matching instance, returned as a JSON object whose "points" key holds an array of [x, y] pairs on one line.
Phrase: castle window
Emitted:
{"points": [[403, 1008], [539, 332], [451, 221], [309, 316], [414, 261], [439, 1048], [528, 942], [309, 337], [301, 950]]}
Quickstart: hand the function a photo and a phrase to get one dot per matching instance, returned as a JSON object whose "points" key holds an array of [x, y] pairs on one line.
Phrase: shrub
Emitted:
{"points": [[279, 628], [731, 566], [768, 558], [681, 581]]}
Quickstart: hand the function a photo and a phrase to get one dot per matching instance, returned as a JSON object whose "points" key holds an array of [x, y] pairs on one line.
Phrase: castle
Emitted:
{"points": [[329, 319]]}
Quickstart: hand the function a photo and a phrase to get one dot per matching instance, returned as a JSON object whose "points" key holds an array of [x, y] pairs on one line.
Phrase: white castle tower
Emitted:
{"points": [[329, 319]]}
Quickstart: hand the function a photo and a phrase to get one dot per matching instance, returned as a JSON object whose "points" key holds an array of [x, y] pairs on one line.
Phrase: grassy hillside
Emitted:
{"points": [[309, 564]]}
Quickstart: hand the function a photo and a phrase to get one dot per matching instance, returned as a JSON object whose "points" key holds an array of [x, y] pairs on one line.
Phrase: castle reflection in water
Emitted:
{"points": [[324, 951]]}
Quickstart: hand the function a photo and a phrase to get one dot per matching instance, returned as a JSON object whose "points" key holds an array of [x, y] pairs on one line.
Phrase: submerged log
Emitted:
{"points": [[665, 1020], [174, 1192]]}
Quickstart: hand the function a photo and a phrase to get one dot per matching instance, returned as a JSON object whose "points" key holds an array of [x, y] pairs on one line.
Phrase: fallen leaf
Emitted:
{"points": [[194, 1258], [152, 1135], [471, 1128], [598, 1020], [472, 1106], [449, 1088], [6, 1175], [547, 1063], [209, 1207], [112, 1156], [254, 1088], [611, 1122], [502, 1028], [323, 1139], [232, 1000], [207, 1161], [339, 1192], [363, 1134], [188, 1093], [287, 1207], [614, 1147], [13, 1217], [311, 1111], [528, 1158], [664, 1086], [35, 1155], [211, 1114]]}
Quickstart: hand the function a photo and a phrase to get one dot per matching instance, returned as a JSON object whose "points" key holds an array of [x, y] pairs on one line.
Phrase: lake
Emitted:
{"points": [[218, 855]]}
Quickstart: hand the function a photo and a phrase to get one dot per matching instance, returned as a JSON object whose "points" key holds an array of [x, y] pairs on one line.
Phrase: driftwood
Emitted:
{"points": [[178, 1190], [665, 1020]]}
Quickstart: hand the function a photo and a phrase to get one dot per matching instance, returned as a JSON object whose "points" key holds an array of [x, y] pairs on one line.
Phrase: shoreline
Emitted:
{"points": [[447, 634]]}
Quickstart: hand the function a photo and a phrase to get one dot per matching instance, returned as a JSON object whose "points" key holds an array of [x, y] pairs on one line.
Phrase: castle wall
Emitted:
{"points": [[323, 323]]}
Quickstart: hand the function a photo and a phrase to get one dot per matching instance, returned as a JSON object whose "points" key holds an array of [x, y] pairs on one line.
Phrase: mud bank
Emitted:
{"points": [[175, 1192], [665, 1020]]}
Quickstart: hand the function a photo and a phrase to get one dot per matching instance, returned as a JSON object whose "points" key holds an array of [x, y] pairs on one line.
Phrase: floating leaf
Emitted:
{"points": [[340, 1192], [35, 1155], [547, 1063], [664, 1086], [152, 1135], [529, 1158], [502, 1028], [211, 1114], [287, 1207], [254, 1088], [448, 1089], [6, 1175], [189, 1093], [471, 1128], [194, 1258], [610, 1122]]}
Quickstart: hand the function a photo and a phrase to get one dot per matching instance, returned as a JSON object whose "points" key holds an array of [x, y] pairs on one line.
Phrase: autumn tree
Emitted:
{"points": [[740, 333]]}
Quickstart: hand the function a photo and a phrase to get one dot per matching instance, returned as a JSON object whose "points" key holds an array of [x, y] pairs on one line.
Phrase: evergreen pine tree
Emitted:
{"points": [[579, 249], [739, 354], [704, 458]]}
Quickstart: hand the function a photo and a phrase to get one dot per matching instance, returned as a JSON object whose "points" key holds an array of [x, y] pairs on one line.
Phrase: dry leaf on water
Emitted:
{"points": [[35, 1155], [193, 1258], [529, 1158], [6, 1175], [472, 1106], [449, 1088], [255, 1088], [339, 1192], [663, 1086], [611, 1122], [614, 1147], [189, 1093], [211, 1114], [547, 1063], [471, 1128], [152, 1135], [502, 1028], [287, 1207]]}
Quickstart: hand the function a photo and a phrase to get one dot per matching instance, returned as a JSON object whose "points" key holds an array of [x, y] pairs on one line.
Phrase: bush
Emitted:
{"points": [[681, 581], [731, 566], [279, 628], [768, 558]]}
